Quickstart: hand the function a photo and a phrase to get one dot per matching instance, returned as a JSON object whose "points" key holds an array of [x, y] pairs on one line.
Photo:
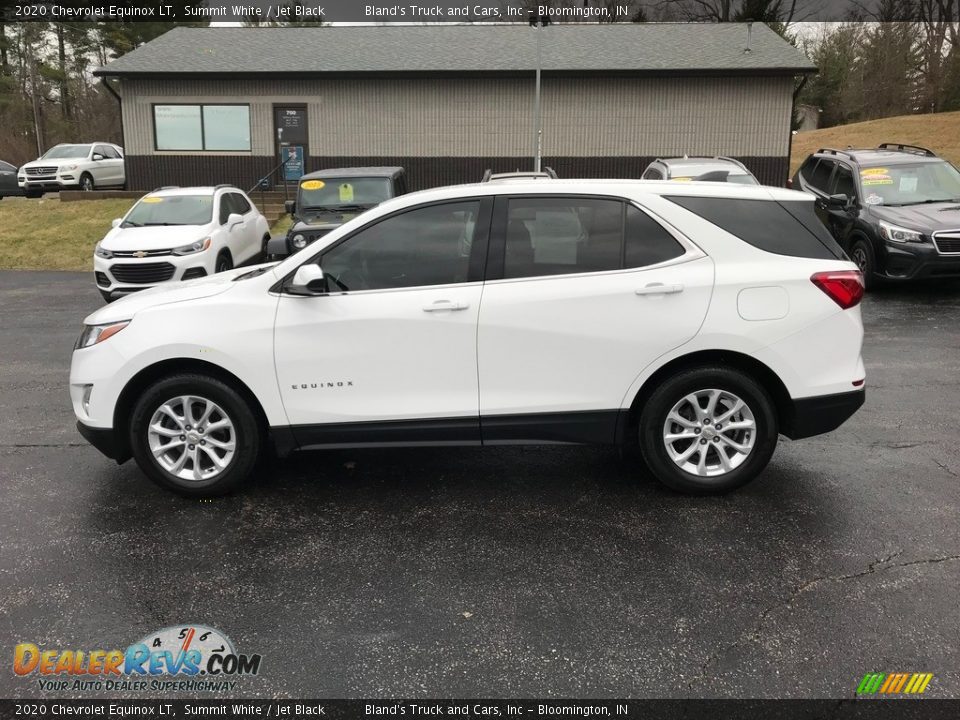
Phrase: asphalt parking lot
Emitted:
{"points": [[510, 572]]}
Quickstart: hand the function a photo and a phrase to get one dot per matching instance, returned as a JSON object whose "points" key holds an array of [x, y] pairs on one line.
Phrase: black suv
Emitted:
{"points": [[326, 199], [895, 209]]}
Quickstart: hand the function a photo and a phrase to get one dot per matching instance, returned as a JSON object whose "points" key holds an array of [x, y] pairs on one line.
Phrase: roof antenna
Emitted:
{"points": [[747, 50]]}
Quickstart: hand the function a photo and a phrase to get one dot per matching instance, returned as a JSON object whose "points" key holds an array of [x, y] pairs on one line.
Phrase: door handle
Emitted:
{"points": [[445, 306], [660, 289]]}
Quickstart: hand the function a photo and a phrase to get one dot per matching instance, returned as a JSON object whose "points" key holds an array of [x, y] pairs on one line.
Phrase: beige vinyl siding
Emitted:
{"points": [[492, 117]]}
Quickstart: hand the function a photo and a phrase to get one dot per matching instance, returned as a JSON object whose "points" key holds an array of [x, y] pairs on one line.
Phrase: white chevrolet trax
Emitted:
{"points": [[175, 234], [698, 320]]}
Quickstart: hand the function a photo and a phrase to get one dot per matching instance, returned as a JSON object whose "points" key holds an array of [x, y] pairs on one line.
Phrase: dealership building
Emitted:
{"points": [[224, 104]]}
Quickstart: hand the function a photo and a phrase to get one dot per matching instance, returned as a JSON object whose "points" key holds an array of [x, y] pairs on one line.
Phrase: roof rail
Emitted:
{"points": [[915, 149], [834, 151], [733, 160], [548, 173], [166, 187], [223, 185]]}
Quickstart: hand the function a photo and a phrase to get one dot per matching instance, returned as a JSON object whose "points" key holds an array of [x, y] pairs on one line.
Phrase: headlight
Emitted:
{"points": [[68, 167], [299, 241], [93, 334], [198, 246], [102, 252], [899, 234]]}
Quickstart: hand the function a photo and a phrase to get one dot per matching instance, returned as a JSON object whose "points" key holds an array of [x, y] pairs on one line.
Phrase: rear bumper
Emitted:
{"points": [[106, 441], [821, 414]]}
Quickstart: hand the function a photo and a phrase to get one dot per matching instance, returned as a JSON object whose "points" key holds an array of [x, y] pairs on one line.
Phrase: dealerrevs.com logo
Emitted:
{"points": [[182, 657]]}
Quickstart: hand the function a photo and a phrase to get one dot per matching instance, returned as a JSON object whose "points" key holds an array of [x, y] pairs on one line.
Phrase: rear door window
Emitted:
{"points": [[820, 177], [647, 242], [783, 228]]}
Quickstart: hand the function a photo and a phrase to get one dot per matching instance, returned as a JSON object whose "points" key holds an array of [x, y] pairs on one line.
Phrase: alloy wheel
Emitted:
{"points": [[192, 438], [709, 432]]}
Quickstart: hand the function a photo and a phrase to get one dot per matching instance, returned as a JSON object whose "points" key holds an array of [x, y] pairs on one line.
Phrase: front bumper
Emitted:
{"points": [[915, 261], [106, 440], [43, 184], [140, 275], [811, 416]]}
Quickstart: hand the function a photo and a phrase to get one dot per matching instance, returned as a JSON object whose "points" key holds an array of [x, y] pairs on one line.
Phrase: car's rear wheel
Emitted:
{"points": [[862, 255], [708, 430], [195, 435], [224, 262], [86, 182]]}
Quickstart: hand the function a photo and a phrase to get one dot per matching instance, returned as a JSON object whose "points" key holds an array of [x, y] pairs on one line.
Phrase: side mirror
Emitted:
{"points": [[116, 222], [277, 248], [234, 219], [97, 157], [308, 280], [840, 200], [290, 206]]}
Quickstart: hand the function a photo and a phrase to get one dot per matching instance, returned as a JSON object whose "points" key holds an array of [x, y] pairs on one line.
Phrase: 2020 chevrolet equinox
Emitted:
{"points": [[699, 320]]}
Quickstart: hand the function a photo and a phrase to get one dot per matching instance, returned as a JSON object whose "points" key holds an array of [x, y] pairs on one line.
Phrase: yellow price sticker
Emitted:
{"points": [[312, 184], [346, 193], [152, 200], [681, 179], [873, 171]]}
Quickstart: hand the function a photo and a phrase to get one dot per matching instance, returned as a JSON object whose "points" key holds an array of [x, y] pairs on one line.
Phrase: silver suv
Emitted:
{"points": [[703, 169], [84, 166]]}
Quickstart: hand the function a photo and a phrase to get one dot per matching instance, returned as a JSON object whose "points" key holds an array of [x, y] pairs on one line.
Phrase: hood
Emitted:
{"points": [[126, 307], [53, 162], [159, 237], [925, 218]]}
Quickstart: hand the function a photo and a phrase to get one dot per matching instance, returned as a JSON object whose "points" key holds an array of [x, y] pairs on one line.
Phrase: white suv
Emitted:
{"points": [[699, 320], [85, 166], [175, 234]]}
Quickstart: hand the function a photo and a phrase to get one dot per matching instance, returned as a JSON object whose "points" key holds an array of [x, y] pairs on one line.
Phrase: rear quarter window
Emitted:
{"points": [[783, 228]]}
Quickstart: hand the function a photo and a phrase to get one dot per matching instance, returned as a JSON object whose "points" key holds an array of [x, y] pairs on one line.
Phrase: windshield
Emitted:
{"points": [[339, 192], [170, 210], [60, 152], [910, 184]]}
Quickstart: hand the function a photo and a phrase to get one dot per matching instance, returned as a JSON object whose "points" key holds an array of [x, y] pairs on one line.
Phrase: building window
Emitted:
{"points": [[202, 127]]}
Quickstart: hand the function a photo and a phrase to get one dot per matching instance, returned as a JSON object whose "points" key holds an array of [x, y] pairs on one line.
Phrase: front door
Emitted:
{"points": [[390, 353], [290, 133]]}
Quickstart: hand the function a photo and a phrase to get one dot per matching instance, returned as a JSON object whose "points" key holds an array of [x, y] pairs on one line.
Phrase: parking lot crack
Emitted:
{"points": [[42, 445], [882, 564]]}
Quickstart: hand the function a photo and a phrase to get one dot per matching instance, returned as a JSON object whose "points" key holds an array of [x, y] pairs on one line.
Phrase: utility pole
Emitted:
{"points": [[539, 22]]}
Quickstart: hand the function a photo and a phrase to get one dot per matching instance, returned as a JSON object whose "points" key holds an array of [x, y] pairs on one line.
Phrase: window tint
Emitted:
{"points": [[226, 207], [821, 174], [783, 228], [843, 183], [424, 246], [556, 236], [647, 241], [239, 203]]}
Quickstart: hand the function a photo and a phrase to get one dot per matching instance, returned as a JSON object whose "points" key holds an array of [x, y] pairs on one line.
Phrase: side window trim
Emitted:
{"points": [[478, 248]]}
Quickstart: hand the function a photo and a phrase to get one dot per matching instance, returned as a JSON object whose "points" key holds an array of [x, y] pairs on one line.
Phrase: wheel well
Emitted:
{"points": [[149, 375], [728, 358]]}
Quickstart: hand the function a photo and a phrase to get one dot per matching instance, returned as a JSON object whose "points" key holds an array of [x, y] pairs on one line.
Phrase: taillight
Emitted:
{"points": [[845, 287], [789, 183]]}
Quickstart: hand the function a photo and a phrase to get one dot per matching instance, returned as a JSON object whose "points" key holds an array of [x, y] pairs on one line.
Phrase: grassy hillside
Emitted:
{"points": [[940, 132], [51, 235]]}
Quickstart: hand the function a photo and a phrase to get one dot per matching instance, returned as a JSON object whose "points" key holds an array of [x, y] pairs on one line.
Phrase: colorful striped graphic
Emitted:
{"points": [[894, 683]]}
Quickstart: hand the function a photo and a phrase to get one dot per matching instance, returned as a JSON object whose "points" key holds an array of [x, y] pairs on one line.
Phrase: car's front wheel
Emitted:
{"points": [[195, 435], [862, 255], [86, 182], [708, 430], [224, 262]]}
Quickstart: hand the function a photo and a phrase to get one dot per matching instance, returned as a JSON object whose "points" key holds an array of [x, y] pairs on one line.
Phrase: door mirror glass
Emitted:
{"points": [[116, 222], [290, 206], [234, 219], [308, 280]]}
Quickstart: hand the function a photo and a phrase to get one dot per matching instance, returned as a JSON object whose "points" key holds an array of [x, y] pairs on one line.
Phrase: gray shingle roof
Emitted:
{"points": [[653, 47]]}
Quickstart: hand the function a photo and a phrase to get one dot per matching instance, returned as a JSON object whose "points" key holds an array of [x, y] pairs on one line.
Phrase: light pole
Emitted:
{"points": [[539, 22]]}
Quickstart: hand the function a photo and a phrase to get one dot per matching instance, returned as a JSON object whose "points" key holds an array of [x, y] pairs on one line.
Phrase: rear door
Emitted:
{"points": [[583, 292]]}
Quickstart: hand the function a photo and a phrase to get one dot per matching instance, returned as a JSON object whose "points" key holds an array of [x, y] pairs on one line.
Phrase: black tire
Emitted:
{"points": [[224, 262], [669, 393], [32, 194], [247, 438], [86, 182], [263, 248], [861, 252]]}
